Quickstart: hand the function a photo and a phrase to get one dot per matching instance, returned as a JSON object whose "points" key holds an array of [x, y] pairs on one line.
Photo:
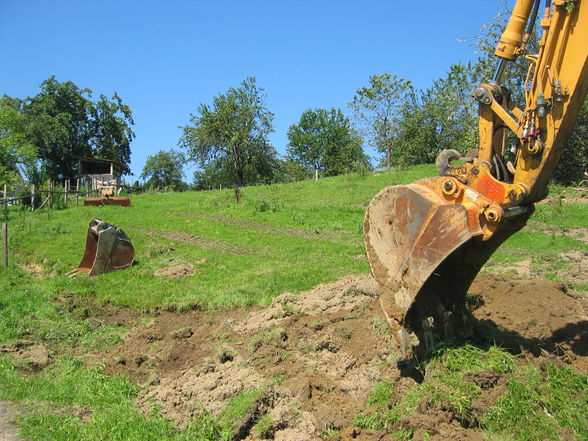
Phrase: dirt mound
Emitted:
{"points": [[34, 269], [312, 359], [577, 269], [178, 271], [532, 315], [33, 357]]}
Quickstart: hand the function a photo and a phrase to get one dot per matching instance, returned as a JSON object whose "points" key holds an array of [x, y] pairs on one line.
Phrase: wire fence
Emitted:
{"points": [[53, 194]]}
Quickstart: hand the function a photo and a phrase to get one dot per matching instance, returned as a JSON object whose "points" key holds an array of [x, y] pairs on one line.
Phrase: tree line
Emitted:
{"points": [[43, 136]]}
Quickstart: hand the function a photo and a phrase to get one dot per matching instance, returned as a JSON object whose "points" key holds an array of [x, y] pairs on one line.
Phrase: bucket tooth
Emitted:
{"points": [[444, 322], [428, 333], [405, 343], [467, 328]]}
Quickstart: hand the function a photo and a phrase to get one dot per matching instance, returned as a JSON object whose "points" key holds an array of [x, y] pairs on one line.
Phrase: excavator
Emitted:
{"points": [[427, 241]]}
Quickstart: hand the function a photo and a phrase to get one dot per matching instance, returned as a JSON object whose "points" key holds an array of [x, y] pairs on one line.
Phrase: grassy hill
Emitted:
{"points": [[287, 237]]}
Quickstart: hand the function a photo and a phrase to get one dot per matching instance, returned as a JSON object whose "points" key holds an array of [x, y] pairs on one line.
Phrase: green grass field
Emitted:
{"points": [[287, 237]]}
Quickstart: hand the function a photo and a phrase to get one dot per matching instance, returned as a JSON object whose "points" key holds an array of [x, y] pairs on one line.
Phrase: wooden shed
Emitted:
{"points": [[95, 174]]}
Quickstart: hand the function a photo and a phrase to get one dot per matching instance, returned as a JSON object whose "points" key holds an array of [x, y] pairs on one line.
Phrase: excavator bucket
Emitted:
{"points": [[108, 249], [426, 242]]}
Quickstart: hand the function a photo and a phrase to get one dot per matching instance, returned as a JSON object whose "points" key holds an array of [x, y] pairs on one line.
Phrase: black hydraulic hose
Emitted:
{"points": [[501, 66], [533, 18]]}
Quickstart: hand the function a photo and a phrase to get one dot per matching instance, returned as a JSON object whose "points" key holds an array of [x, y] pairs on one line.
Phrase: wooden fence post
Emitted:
{"points": [[49, 195], [32, 197], [4, 244], [66, 188], [5, 202]]}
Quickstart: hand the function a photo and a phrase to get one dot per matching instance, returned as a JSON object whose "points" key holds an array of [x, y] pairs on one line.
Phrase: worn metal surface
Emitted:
{"points": [[426, 241], [108, 248], [123, 201], [425, 248]]}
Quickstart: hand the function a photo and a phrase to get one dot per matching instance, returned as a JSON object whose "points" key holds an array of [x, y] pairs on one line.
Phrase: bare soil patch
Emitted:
{"points": [[34, 269], [577, 233], [316, 356], [578, 267], [178, 271], [533, 316], [8, 431], [33, 357], [580, 197]]}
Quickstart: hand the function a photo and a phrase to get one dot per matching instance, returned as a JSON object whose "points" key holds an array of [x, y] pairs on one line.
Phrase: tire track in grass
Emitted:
{"points": [[203, 242], [8, 431], [331, 236]]}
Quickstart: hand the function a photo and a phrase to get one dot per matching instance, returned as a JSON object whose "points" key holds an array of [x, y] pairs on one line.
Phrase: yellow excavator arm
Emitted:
{"points": [[427, 241]]}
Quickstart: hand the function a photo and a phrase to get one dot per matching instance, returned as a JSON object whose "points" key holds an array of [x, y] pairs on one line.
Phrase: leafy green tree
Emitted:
{"points": [[290, 171], [442, 117], [574, 161], [325, 143], [262, 169], [163, 171], [231, 135], [377, 111], [15, 151], [112, 131], [64, 124]]}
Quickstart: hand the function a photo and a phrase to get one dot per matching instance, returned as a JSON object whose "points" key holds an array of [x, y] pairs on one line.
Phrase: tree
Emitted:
{"points": [[15, 151], [442, 117], [574, 161], [113, 133], [262, 169], [64, 124], [377, 110], [290, 170], [324, 142], [231, 134], [163, 170]]}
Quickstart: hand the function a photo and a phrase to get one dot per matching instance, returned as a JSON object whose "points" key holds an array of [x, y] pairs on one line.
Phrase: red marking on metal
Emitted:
{"points": [[490, 188], [473, 219]]}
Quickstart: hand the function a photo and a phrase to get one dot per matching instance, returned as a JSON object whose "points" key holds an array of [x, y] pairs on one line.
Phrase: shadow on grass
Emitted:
{"points": [[571, 338]]}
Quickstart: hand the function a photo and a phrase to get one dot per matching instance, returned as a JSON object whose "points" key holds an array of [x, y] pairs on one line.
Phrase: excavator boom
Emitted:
{"points": [[427, 241]]}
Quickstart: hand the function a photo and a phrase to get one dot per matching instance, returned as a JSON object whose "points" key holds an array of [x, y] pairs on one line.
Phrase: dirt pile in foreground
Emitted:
{"points": [[314, 358]]}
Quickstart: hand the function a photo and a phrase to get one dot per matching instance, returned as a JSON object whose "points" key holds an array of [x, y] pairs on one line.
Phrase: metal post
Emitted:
{"points": [[4, 244], [32, 197]]}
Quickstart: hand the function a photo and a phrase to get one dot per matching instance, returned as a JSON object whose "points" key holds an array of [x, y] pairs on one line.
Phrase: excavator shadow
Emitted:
{"points": [[566, 344], [569, 341]]}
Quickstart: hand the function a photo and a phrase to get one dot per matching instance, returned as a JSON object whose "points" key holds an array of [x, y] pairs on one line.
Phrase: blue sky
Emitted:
{"points": [[165, 57]]}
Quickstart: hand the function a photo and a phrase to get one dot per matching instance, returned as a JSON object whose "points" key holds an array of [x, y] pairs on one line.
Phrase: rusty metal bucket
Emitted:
{"points": [[123, 201], [108, 248], [425, 248]]}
